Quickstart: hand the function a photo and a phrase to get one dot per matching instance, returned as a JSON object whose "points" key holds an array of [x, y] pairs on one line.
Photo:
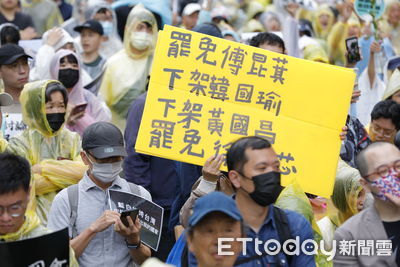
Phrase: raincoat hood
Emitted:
{"points": [[63, 41], [345, 193], [393, 85], [137, 15], [33, 103], [160, 7], [76, 95], [315, 53], [323, 10], [93, 9]]}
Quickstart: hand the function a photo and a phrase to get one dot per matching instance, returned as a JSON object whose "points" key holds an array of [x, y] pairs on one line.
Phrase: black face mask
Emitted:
{"points": [[68, 77], [55, 120], [267, 188]]}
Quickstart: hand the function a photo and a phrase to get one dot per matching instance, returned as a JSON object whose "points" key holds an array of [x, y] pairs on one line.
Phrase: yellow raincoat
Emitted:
{"points": [[320, 32], [33, 228], [344, 198], [393, 85], [3, 143], [57, 153], [126, 75], [315, 53], [337, 40], [293, 198]]}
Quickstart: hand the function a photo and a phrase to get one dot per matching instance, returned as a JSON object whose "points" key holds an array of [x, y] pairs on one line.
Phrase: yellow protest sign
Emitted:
{"points": [[206, 92]]}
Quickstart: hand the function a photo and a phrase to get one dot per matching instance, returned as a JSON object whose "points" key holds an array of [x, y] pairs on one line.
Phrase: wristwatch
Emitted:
{"points": [[133, 246]]}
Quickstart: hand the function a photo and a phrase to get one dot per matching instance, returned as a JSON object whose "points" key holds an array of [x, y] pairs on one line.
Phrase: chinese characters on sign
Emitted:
{"points": [[206, 92]]}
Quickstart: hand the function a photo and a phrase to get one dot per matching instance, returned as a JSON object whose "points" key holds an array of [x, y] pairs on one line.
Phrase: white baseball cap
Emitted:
{"points": [[190, 9]]}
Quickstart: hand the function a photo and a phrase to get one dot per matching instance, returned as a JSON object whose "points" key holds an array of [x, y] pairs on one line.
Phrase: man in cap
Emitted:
{"points": [[92, 35], [85, 207], [190, 15], [14, 71], [5, 100], [215, 216]]}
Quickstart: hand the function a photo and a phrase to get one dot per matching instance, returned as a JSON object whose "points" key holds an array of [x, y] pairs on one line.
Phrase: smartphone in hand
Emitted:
{"points": [[353, 50], [132, 213]]}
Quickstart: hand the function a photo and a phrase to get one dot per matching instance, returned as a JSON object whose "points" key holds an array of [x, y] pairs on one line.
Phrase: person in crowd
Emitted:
{"points": [[379, 166], [126, 74], [231, 35], [150, 172], [347, 26], [323, 22], [104, 14], [385, 121], [253, 169], [85, 108], [65, 9], [392, 91], [51, 149], [14, 72], [190, 15], [44, 13], [214, 216], [5, 100], [390, 25], [16, 222], [271, 21], [9, 34], [91, 37], [10, 13], [268, 41], [78, 17], [348, 198], [98, 235]]}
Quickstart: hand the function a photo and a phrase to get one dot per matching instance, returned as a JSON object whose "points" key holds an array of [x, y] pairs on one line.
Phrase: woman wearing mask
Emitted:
{"points": [[104, 14], [52, 150], [84, 107], [348, 197], [126, 75]]}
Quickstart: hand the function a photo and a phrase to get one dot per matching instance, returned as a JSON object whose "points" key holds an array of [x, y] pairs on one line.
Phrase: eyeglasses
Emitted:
{"points": [[387, 133], [384, 170], [14, 211]]}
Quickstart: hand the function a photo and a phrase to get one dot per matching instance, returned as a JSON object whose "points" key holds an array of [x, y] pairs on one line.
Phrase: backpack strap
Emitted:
{"points": [[135, 189], [73, 198], [283, 229]]}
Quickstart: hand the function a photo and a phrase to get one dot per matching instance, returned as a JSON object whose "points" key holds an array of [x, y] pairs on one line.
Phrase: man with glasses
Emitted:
{"points": [[372, 237], [16, 222], [385, 121]]}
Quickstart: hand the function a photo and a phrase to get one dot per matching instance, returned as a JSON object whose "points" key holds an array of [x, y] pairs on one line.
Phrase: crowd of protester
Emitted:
{"points": [[74, 79]]}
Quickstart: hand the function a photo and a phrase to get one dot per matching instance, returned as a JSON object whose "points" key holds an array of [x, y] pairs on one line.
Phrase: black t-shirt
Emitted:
{"points": [[393, 232], [21, 20]]}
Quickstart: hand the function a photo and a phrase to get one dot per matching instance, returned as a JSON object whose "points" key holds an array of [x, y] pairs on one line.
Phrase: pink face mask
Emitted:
{"points": [[389, 184]]}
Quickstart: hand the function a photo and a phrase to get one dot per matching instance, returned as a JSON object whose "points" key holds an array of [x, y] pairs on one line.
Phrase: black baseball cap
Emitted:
{"points": [[9, 53], [103, 140], [91, 24]]}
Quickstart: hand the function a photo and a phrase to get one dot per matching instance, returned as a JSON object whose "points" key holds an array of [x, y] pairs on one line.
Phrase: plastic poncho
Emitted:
{"points": [[32, 228], [387, 28], [344, 198], [57, 153], [45, 14], [318, 30], [393, 86], [337, 40], [44, 55], [315, 53], [293, 198], [114, 43], [126, 75], [95, 111]]}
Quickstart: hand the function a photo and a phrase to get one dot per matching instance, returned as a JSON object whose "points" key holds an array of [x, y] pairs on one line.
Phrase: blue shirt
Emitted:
{"points": [[299, 226]]}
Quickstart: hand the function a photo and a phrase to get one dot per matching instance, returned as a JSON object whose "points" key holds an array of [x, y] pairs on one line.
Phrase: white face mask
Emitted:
{"points": [[107, 27], [141, 40], [106, 172]]}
